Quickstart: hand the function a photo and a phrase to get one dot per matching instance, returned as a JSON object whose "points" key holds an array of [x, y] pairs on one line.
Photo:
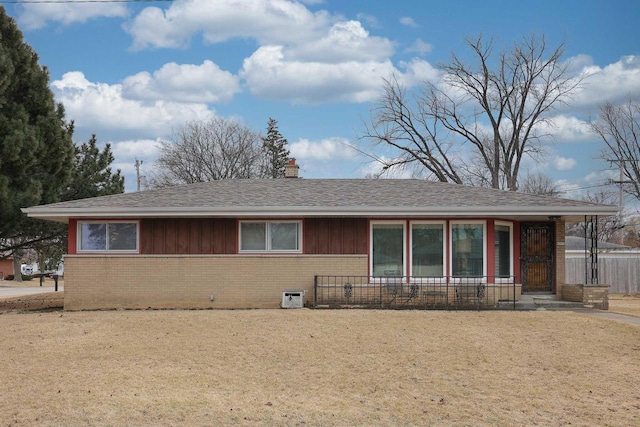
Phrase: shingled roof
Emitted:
{"points": [[320, 197]]}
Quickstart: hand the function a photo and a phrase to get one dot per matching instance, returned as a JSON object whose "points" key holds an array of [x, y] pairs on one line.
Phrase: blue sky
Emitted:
{"points": [[133, 72]]}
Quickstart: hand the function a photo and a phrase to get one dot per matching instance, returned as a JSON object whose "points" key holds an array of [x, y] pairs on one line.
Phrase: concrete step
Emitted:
{"points": [[541, 302]]}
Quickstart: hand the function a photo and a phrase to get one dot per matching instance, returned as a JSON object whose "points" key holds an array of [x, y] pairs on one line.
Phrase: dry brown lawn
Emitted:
{"points": [[625, 304], [48, 300], [305, 367]]}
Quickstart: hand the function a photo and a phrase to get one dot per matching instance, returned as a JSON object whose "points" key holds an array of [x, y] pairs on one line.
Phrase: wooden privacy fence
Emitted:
{"points": [[620, 271]]}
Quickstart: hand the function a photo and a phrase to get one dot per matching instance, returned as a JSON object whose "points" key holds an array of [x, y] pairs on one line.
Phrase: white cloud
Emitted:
{"points": [[141, 149], [374, 168], [420, 47], [100, 106], [270, 74], [184, 83], [613, 83], [34, 16], [409, 22], [564, 163], [269, 22], [304, 57], [345, 41], [327, 149], [274, 72], [417, 71], [568, 129], [571, 189], [601, 176]]}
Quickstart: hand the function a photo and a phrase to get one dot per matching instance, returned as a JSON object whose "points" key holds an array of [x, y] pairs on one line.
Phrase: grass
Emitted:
{"points": [[304, 367], [625, 304], [48, 300]]}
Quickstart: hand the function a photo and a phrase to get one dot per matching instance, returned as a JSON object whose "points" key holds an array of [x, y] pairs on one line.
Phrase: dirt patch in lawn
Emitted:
{"points": [[305, 367], [44, 301], [628, 304]]}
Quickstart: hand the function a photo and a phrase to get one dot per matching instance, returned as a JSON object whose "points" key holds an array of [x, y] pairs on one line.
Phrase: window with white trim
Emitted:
{"points": [[387, 248], [503, 248], [468, 249], [270, 236], [428, 249], [111, 236]]}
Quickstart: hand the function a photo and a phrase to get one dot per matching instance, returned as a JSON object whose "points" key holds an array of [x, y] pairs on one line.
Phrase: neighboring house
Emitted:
{"points": [[6, 268], [241, 243], [575, 243]]}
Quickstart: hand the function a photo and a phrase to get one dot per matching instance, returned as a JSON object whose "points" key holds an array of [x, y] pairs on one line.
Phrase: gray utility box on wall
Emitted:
{"points": [[292, 299]]}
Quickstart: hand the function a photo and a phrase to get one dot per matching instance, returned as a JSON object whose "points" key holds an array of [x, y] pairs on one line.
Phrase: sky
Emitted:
{"points": [[134, 72]]}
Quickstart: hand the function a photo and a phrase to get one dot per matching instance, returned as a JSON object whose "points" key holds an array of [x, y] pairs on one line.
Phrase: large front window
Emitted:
{"points": [[120, 236], [438, 248], [427, 249], [265, 236], [467, 249], [387, 245]]}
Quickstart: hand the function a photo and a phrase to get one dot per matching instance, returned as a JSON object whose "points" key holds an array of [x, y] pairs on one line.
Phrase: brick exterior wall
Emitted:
{"points": [[596, 297], [590, 296], [178, 281], [572, 293]]}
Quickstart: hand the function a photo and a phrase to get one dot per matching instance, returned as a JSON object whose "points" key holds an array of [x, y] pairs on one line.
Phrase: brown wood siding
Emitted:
{"points": [[162, 236], [171, 236], [335, 236]]}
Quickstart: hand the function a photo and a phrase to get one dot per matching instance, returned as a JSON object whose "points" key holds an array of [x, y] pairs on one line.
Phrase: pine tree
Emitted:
{"points": [[36, 150], [92, 175], [275, 147]]}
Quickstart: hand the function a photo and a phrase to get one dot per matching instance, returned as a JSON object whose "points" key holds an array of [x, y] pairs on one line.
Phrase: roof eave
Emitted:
{"points": [[62, 214]]}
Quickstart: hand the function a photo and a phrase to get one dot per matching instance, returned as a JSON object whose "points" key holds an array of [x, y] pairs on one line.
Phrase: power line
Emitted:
{"points": [[585, 188], [79, 1]]}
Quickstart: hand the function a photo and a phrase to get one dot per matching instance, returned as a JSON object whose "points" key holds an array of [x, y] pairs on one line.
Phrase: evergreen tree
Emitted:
{"points": [[36, 150], [92, 175], [275, 147]]}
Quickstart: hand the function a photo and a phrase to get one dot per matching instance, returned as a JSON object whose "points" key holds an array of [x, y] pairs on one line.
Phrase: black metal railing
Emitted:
{"points": [[396, 292]]}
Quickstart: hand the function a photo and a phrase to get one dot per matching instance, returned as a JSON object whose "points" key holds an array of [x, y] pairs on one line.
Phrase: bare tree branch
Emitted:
{"points": [[619, 128], [207, 151], [490, 110]]}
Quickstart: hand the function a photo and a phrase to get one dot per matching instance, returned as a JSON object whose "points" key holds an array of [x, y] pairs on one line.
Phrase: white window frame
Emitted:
{"points": [[107, 250], [379, 279], [484, 246], [511, 260], [268, 236], [445, 236]]}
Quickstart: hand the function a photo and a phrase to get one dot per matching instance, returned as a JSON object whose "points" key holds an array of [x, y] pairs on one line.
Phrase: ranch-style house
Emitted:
{"points": [[244, 243]]}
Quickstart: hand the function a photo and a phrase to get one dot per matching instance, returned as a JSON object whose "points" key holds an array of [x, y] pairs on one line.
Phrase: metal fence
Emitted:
{"points": [[427, 293]]}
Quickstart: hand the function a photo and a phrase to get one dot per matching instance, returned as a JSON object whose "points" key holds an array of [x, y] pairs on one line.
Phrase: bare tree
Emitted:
{"points": [[619, 128], [482, 119], [207, 151], [610, 228], [538, 183]]}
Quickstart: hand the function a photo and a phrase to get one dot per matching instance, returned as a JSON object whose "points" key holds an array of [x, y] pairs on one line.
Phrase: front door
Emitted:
{"points": [[537, 256]]}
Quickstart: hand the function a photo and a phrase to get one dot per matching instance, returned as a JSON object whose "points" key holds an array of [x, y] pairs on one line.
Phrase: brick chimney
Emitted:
{"points": [[291, 169]]}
